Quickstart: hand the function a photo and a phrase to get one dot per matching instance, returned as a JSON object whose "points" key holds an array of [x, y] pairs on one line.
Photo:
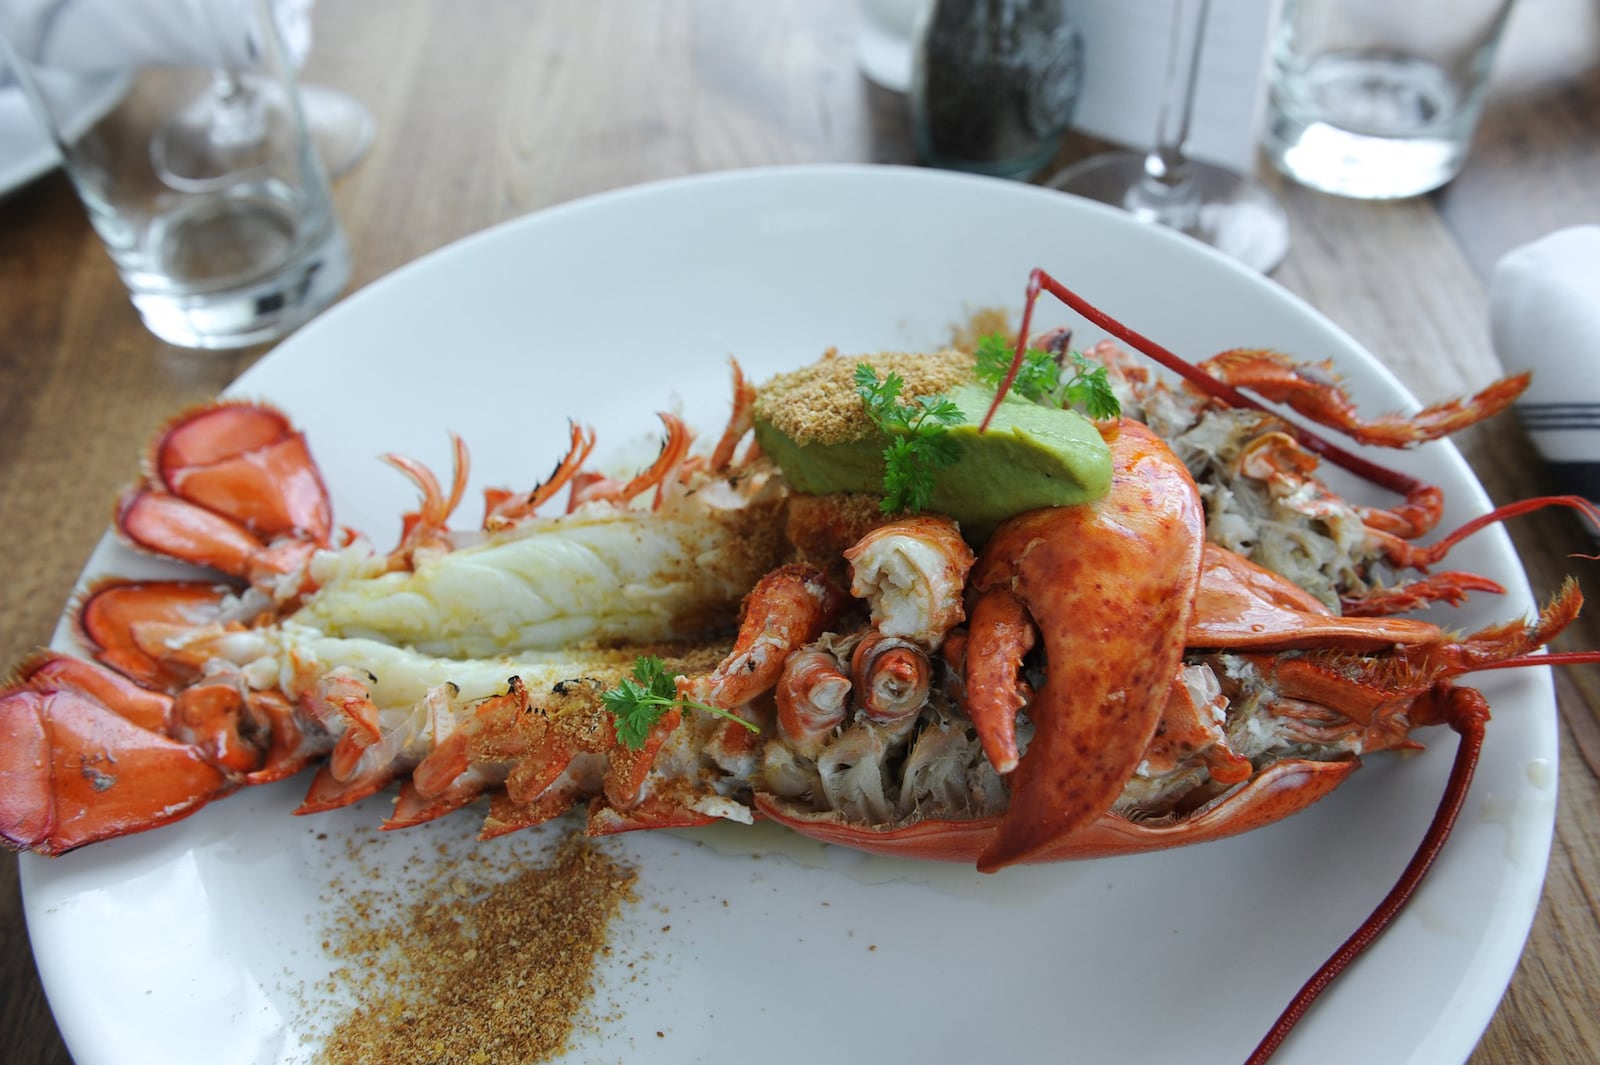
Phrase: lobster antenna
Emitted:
{"points": [[1470, 727], [1382, 476]]}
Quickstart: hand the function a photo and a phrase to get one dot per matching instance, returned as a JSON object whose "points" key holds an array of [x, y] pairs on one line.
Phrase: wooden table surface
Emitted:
{"points": [[487, 115]]}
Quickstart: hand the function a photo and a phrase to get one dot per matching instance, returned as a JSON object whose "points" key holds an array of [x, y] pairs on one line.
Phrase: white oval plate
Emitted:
{"points": [[195, 943]]}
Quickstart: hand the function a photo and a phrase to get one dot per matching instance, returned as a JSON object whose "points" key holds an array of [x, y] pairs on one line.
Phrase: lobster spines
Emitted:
{"points": [[1111, 586]]}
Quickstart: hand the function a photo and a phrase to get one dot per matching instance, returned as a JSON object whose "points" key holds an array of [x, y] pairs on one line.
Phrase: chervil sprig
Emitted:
{"points": [[1039, 377], [919, 443], [1090, 388], [639, 701]]}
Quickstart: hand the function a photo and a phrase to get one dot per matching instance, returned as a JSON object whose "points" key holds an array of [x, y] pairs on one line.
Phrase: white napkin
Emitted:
{"points": [[101, 36], [1544, 315]]}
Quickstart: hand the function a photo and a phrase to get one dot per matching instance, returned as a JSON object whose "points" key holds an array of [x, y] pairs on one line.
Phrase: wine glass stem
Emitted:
{"points": [[1165, 191], [237, 120]]}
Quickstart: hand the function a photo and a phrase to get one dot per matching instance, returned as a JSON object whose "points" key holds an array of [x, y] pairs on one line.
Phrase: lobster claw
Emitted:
{"points": [[73, 771], [1110, 586]]}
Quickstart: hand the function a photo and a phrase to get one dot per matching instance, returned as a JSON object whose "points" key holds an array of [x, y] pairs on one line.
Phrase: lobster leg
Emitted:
{"points": [[1317, 394], [788, 608], [999, 634], [1242, 605]]}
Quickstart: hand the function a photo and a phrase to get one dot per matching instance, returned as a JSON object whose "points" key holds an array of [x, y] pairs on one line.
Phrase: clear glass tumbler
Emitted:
{"points": [[1379, 99], [241, 256]]}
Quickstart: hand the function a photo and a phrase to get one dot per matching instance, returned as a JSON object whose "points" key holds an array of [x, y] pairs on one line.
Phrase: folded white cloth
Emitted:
{"points": [[1544, 315], [102, 36]]}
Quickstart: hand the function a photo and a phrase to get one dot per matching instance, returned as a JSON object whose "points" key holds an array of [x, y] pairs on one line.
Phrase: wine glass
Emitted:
{"points": [[225, 131], [1227, 210]]}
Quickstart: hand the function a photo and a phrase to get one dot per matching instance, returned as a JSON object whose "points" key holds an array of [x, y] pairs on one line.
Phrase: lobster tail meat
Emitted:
{"points": [[1111, 586]]}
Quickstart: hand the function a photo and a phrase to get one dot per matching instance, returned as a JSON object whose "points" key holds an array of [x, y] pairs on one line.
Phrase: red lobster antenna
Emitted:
{"points": [[1470, 713], [1470, 727], [1382, 476]]}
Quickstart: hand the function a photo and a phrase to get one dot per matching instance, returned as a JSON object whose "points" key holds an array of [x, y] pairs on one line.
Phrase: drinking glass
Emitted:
{"points": [[243, 255], [1230, 211], [1375, 99]]}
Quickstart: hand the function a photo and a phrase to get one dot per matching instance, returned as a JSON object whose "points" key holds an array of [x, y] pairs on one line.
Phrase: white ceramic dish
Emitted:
{"points": [[194, 944], [26, 151]]}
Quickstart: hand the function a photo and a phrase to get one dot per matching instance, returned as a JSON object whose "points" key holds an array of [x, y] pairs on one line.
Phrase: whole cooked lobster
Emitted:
{"points": [[697, 642]]}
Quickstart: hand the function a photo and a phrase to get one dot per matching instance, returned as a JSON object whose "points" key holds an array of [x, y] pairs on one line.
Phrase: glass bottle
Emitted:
{"points": [[994, 84]]}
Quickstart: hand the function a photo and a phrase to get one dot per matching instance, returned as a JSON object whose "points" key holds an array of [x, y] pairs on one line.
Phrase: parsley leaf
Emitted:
{"points": [[638, 702], [919, 445]]}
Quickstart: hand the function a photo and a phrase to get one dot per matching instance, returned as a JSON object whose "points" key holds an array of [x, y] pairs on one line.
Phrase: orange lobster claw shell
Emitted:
{"points": [[1241, 605], [1111, 586]]}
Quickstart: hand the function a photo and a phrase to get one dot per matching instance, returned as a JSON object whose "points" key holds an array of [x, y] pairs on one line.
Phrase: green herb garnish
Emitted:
{"points": [[638, 702], [919, 445], [1040, 380]]}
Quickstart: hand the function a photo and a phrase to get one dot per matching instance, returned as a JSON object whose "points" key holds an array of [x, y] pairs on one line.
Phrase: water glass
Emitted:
{"points": [[1378, 99], [194, 165]]}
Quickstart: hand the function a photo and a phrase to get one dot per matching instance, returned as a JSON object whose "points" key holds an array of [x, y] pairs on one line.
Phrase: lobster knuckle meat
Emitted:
{"points": [[912, 572]]}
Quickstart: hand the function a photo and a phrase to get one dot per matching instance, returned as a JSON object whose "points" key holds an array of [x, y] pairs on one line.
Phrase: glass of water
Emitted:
{"points": [[1378, 99], [242, 254]]}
